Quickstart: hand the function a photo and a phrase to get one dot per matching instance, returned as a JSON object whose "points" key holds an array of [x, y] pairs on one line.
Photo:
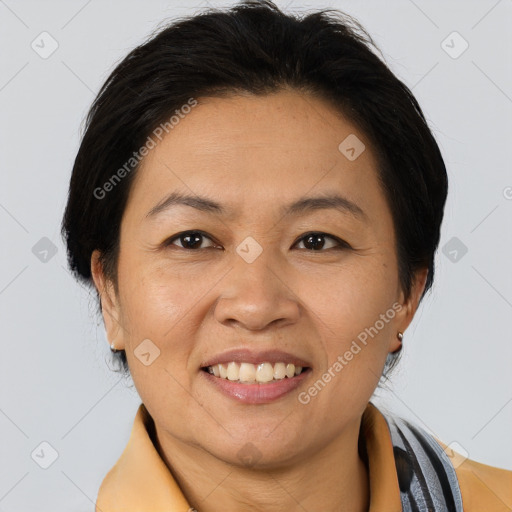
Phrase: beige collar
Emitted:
{"points": [[140, 481]]}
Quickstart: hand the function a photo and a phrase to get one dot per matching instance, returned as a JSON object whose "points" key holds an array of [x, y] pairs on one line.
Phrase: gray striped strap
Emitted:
{"points": [[427, 479]]}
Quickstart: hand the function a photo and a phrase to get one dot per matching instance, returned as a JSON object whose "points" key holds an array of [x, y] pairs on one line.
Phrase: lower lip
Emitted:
{"points": [[256, 393]]}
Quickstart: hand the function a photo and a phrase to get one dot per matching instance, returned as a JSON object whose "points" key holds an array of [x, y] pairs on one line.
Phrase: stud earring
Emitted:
{"points": [[400, 336]]}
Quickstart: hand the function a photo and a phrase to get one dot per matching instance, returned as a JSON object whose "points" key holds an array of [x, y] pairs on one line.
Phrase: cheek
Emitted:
{"points": [[155, 296], [355, 319], [158, 310], [353, 296], [164, 304]]}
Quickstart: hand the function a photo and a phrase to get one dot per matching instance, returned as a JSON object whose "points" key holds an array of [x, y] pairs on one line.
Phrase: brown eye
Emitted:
{"points": [[316, 241], [190, 240], [313, 242]]}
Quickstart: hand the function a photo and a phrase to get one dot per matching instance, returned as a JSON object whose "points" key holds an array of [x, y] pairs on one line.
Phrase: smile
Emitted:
{"points": [[254, 376], [249, 373]]}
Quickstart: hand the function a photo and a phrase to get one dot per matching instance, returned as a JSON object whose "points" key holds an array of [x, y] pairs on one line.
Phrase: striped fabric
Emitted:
{"points": [[427, 479]]}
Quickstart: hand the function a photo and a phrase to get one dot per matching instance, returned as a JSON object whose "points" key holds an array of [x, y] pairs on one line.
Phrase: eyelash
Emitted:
{"points": [[342, 245]]}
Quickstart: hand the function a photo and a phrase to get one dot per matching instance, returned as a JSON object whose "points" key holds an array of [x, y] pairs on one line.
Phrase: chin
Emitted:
{"points": [[257, 451]]}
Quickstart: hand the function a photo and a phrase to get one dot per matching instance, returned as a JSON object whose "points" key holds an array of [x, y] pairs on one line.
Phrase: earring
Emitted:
{"points": [[112, 347], [400, 336]]}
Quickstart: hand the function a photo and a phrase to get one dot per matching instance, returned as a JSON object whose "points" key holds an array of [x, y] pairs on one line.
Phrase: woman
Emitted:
{"points": [[257, 200]]}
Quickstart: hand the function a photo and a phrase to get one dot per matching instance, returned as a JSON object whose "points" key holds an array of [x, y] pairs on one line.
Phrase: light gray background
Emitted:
{"points": [[455, 377]]}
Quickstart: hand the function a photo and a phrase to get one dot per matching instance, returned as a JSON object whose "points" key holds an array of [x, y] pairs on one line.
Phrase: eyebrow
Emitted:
{"points": [[300, 206]]}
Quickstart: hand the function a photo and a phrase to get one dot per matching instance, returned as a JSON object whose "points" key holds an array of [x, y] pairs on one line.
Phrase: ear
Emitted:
{"points": [[109, 303], [409, 307]]}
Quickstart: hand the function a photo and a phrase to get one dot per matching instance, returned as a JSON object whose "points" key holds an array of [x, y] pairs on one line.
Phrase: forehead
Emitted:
{"points": [[258, 151]]}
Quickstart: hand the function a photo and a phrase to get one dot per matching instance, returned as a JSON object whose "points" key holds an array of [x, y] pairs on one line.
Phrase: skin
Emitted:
{"points": [[255, 154]]}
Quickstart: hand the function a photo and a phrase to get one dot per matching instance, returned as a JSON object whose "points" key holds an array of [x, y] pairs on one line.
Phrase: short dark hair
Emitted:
{"points": [[255, 48]]}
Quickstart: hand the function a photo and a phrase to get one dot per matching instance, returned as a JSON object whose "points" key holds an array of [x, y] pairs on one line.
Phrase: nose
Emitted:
{"points": [[255, 296]]}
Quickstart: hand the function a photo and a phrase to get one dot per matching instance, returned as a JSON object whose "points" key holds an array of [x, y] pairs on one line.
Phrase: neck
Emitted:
{"points": [[333, 479]]}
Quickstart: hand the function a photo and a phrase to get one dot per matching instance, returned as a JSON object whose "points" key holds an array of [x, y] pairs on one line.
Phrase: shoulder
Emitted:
{"points": [[106, 498], [475, 487], [482, 487]]}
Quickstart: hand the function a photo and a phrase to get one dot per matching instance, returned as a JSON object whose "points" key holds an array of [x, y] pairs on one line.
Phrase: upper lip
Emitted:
{"points": [[243, 355]]}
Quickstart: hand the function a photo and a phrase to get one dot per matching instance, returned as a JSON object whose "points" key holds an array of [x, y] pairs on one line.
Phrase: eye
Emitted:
{"points": [[190, 240], [315, 241]]}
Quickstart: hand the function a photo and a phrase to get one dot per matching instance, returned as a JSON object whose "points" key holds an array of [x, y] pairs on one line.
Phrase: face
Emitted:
{"points": [[242, 279]]}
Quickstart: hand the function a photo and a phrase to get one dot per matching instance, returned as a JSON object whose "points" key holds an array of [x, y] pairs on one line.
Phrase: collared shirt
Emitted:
{"points": [[141, 482]]}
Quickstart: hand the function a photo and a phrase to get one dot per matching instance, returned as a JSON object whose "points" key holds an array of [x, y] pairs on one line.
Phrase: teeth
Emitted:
{"points": [[279, 371], [264, 373], [247, 372], [233, 371], [250, 373]]}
